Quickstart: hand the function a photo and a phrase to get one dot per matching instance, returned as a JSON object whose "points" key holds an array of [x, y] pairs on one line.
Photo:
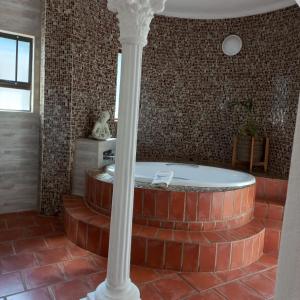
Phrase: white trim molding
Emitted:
{"points": [[214, 9]]}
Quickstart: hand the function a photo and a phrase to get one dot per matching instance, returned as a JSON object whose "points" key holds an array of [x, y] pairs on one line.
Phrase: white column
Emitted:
{"points": [[134, 17]]}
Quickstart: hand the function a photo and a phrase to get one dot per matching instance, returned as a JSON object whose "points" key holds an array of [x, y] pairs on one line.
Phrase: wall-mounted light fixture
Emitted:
{"points": [[232, 45]]}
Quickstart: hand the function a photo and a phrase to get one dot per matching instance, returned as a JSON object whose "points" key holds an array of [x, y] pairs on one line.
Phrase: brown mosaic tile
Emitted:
{"points": [[186, 77]]}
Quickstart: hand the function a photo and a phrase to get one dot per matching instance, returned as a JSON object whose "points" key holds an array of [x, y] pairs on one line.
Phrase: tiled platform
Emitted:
{"points": [[178, 250], [37, 262], [177, 209]]}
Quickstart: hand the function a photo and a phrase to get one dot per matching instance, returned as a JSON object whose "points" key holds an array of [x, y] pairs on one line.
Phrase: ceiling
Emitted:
{"points": [[220, 9]]}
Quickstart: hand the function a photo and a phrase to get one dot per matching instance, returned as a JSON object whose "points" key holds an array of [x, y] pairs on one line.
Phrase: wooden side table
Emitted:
{"points": [[252, 161]]}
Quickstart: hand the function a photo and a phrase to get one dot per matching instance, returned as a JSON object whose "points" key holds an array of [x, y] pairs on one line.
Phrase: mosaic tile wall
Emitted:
{"points": [[79, 55], [95, 50], [187, 86], [56, 106]]}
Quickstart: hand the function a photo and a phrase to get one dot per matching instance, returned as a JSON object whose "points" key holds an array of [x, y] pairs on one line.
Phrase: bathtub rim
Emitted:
{"points": [[178, 187]]}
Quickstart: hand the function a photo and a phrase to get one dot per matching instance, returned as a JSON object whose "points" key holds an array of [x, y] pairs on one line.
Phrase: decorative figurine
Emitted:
{"points": [[101, 130]]}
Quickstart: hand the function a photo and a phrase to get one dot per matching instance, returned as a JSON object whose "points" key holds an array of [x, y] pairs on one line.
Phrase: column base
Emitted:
{"points": [[104, 292]]}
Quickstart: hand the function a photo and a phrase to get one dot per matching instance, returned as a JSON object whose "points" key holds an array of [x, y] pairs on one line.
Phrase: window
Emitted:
{"points": [[15, 72], [119, 65]]}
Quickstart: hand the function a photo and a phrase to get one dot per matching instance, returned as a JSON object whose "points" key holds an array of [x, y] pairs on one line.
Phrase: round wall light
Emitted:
{"points": [[232, 45]]}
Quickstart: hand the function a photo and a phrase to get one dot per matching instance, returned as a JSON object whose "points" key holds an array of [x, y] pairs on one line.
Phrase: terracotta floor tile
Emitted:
{"points": [[272, 274], [29, 245], [237, 291], [231, 275], [51, 256], [100, 262], [173, 288], [40, 294], [254, 268], [211, 295], [148, 292], [79, 267], [141, 275], [10, 284], [201, 281], [17, 262], [95, 279], [70, 261], [165, 273], [58, 241], [268, 260], [43, 220], [20, 222], [3, 225], [43, 276], [76, 251], [261, 284], [36, 231], [58, 229], [71, 290], [10, 235], [6, 249]]}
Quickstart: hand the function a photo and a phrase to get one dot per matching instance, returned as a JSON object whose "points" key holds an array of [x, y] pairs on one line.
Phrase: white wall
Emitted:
{"points": [[19, 132], [288, 279]]}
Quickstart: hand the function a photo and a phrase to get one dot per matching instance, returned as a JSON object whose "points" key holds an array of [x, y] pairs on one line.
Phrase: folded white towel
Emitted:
{"points": [[163, 178]]}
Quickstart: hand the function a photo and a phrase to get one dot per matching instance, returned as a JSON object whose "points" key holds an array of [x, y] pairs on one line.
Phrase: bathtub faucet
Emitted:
{"points": [[109, 155]]}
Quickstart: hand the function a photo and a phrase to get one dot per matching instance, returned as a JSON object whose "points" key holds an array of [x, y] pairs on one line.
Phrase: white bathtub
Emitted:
{"points": [[191, 175]]}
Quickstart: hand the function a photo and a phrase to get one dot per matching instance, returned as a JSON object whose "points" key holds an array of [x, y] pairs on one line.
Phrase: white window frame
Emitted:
{"points": [[30, 38]]}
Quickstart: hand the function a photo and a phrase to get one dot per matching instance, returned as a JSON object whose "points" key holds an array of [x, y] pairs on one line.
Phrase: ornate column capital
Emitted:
{"points": [[135, 17]]}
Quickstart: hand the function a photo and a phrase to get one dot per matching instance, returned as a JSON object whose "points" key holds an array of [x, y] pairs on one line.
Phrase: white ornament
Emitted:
{"points": [[101, 130]]}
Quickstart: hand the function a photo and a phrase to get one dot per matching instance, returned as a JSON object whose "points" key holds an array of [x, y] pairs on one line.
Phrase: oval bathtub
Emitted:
{"points": [[198, 199], [191, 175]]}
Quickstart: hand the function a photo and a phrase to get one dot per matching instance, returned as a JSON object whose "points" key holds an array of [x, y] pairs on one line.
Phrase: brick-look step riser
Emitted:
{"points": [[179, 210], [269, 207], [271, 189], [265, 210], [167, 249]]}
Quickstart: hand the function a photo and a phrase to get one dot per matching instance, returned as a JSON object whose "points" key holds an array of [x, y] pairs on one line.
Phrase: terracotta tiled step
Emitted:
{"points": [[183, 210], [271, 189], [273, 230], [269, 209], [166, 248]]}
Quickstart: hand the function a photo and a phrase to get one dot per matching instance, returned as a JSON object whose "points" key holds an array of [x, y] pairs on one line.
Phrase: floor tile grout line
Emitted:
{"points": [[92, 259], [51, 292], [220, 294], [223, 283], [269, 277], [158, 292], [252, 289], [187, 282]]}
